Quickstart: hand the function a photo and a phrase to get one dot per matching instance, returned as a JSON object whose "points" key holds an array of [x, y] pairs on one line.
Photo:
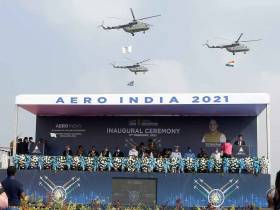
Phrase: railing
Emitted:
{"points": [[251, 165]]}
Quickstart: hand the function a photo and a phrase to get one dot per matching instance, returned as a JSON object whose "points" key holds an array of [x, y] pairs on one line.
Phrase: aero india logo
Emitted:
{"points": [[216, 196], [59, 193]]}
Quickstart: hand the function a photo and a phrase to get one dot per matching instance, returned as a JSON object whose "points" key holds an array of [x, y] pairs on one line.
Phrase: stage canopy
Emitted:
{"points": [[183, 104]]}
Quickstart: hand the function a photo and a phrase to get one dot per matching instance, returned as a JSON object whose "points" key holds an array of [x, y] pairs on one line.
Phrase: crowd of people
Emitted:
{"points": [[25, 145], [151, 150]]}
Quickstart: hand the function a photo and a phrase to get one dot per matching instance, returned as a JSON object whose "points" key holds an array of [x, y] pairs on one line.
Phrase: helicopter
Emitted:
{"points": [[235, 46], [135, 68], [132, 27]]}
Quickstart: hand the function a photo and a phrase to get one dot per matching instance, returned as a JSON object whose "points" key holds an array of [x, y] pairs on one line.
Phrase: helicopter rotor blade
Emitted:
{"points": [[251, 40], [239, 38], [149, 17], [144, 61], [132, 13]]}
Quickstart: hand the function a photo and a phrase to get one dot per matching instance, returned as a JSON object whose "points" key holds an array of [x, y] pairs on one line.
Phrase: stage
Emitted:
{"points": [[163, 189], [126, 120]]}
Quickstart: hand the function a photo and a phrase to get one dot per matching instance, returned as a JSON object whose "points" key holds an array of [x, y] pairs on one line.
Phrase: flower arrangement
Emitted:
{"points": [[174, 164], [249, 164], [88, 163], [264, 164], [145, 164], [202, 164], [31, 203], [61, 162], [159, 164], [133, 164], [117, 163], [103, 163], [189, 162], [233, 164], [218, 162]]}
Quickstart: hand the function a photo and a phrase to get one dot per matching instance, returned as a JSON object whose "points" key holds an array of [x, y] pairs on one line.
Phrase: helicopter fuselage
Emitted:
{"points": [[136, 27], [138, 68], [238, 48]]}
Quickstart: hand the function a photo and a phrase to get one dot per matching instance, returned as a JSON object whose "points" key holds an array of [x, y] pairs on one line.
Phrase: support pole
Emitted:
{"points": [[16, 132], [268, 141]]}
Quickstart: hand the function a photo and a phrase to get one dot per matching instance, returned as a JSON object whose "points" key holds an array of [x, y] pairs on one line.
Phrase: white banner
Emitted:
{"points": [[144, 99]]}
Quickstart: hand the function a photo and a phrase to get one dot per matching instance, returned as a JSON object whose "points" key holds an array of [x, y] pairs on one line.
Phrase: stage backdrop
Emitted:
{"points": [[166, 131], [164, 189]]}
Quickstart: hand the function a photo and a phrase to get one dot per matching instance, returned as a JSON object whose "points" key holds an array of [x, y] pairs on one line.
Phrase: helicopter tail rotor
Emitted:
{"points": [[102, 25]]}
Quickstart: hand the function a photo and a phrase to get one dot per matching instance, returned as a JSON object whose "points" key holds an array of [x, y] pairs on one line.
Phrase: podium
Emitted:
{"points": [[240, 151]]}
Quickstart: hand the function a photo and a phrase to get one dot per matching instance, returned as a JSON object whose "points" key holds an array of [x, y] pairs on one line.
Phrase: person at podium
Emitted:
{"points": [[240, 140], [213, 136]]}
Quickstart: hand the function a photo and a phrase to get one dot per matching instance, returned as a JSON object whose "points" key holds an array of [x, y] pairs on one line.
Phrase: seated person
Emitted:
{"points": [[141, 149], [189, 153], [202, 154], [240, 140], [226, 149], [118, 152], [105, 152], [80, 151], [133, 151], [176, 153], [166, 152], [213, 136], [152, 148], [216, 155], [67, 151], [93, 152]]}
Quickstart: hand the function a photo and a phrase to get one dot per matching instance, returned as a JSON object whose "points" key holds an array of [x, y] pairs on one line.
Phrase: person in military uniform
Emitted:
{"points": [[213, 136]]}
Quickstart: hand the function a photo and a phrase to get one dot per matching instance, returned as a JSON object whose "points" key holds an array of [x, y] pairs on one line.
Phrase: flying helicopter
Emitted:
{"points": [[135, 68], [235, 46], [133, 26]]}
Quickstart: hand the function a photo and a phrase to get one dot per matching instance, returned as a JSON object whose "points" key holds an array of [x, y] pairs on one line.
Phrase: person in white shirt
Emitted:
{"points": [[216, 155], [133, 151], [176, 153]]}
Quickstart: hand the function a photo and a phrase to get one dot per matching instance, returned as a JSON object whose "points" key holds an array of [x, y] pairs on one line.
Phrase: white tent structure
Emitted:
{"points": [[177, 104]]}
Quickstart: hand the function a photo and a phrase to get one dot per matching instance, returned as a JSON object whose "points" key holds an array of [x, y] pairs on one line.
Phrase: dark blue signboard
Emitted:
{"points": [[125, 131], [193, 189]]}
